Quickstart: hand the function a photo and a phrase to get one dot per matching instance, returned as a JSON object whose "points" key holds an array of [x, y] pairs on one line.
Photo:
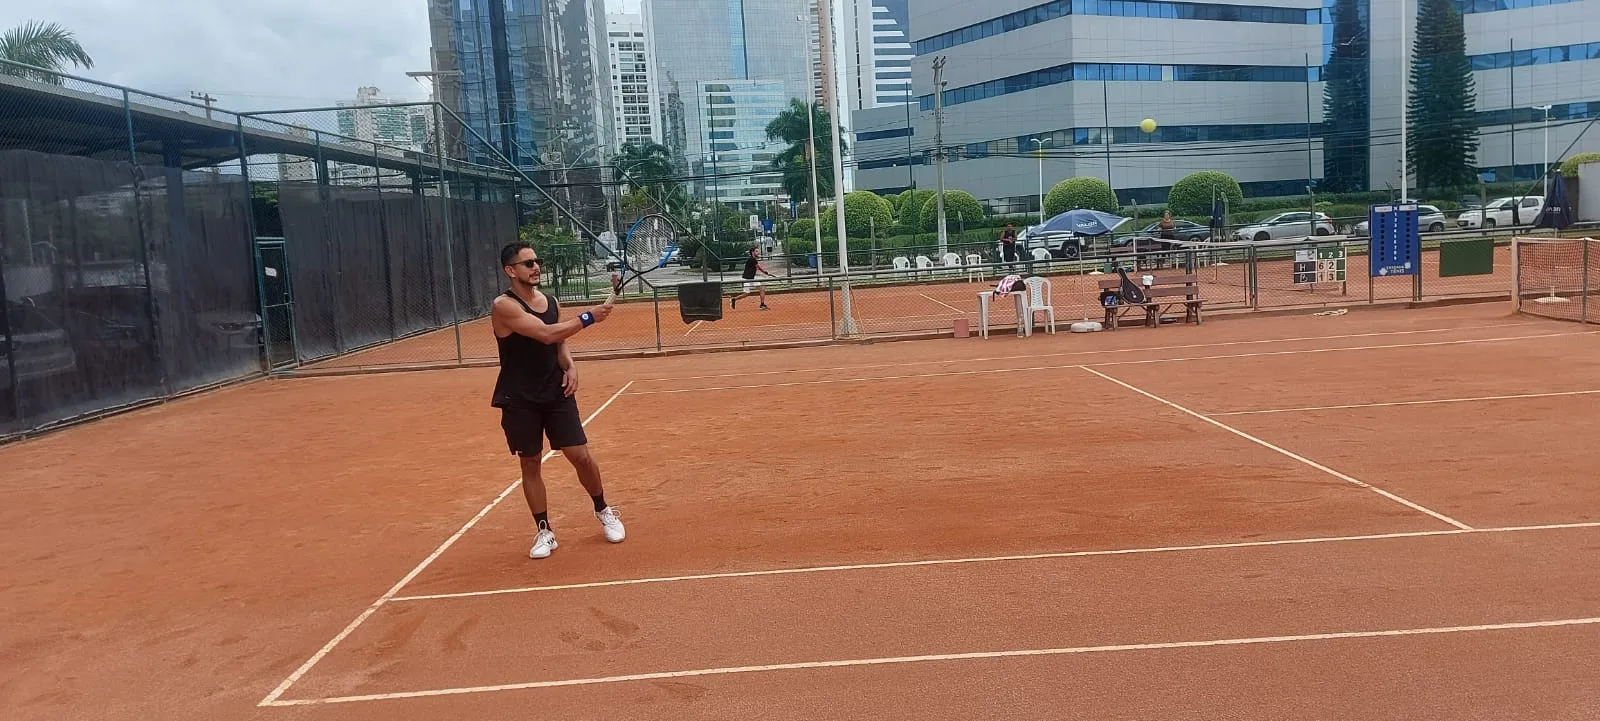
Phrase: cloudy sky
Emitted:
{"points": [[250, 54]]}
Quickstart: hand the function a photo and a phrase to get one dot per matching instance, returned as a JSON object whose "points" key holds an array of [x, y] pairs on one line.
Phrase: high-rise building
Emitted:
{"points": [[880, 69], [1075, 78], [724, 70], [532, 79], [634, 101], [404, 127]]}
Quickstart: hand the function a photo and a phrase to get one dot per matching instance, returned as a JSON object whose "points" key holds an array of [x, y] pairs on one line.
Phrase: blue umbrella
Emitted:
{"points": [[1557, 213], [1083, 221]]}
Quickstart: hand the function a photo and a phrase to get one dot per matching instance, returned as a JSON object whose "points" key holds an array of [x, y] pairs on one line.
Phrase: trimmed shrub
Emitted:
{"points": [[865, 212], [1192, 194], [960, 209], [1080, 192]]}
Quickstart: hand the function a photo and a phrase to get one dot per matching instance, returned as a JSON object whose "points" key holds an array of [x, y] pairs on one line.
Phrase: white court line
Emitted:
{"points": [[1143, 361], [1106, 351], [1407, 403], [272, 698], [1288, 453], [970, 656], [992, 559], [947, 305]]}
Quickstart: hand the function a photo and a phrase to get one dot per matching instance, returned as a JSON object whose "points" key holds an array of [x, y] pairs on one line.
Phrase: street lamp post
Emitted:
{"points": [[1040, 153], [1546, 165]]}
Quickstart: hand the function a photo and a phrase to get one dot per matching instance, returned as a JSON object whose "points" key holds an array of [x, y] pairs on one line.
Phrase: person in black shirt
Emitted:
{"points": [[751, 285], [536, 390]]}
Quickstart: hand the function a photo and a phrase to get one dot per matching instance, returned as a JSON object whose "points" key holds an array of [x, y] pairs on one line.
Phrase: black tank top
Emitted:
{"points": [[530, 371], [749, 268]]}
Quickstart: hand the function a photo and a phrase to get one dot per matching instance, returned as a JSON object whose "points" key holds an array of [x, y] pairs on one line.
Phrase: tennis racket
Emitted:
{"points": [[1131, 293], [649, 244]]}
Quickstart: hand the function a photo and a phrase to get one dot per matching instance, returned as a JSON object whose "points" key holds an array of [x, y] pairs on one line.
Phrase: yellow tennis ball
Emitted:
{"points": [[1148, 125]]}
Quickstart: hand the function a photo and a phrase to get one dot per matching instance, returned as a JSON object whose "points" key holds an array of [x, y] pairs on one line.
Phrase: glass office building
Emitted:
{"points": [[724, 69]]}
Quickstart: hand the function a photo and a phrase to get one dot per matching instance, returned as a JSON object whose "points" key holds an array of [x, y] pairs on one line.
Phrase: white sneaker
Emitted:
{"points": [[543, 544], [612, 522]]}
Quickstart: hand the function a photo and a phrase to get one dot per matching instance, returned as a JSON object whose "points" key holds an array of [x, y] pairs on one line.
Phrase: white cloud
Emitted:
{"points": [[249, 55]]}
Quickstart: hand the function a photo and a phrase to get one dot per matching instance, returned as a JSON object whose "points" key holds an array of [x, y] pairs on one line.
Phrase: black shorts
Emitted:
{"points": [[526, 427]]}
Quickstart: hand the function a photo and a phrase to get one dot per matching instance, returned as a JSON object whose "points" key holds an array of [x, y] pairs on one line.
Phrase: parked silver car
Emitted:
{"points": [[1430, 219], [1293, 224]]}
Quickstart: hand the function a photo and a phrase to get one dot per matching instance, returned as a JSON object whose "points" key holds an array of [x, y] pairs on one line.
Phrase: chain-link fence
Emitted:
{"points": [[1558, 277], [151, 246]]}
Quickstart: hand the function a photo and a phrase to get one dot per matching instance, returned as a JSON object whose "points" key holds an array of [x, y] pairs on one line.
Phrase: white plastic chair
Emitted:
{"points": [[974, 267], [1039, 300], [951, 262], [902, 263], [924, 263], [1041, 254]]}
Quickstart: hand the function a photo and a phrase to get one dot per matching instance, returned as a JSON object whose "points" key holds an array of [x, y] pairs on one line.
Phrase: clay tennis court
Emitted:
{"points": [[920, 303], [1384, 514]]}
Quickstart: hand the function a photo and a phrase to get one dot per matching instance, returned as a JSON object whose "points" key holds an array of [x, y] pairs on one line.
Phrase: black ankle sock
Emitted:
{"points": [[599, 502], [542, 520]]}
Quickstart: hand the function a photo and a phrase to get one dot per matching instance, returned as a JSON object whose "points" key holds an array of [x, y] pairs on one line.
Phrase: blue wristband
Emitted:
{"points": [[587, 318]]}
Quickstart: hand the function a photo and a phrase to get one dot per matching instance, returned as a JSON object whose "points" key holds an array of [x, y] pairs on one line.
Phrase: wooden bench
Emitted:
{"points": [[1165, 294]]}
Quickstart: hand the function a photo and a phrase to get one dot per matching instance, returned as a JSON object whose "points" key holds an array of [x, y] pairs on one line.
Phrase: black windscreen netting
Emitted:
{"points": [[82, 244], [372, 266]]}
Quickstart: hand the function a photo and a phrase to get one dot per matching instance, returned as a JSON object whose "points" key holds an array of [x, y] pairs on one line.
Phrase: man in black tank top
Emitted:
{"points": [[536, 389], [751, 285]]}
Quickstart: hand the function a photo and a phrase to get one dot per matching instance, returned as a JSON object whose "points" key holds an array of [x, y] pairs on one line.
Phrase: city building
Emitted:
{"points": [[1232, 87], [365, 119], [532, 81], [634, 101], [881, 47], [719, 90]]}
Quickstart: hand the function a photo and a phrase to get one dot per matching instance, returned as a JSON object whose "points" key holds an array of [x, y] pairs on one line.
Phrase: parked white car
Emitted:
{"points": [[1294, 224], [1429, 220], [1498, 212]]}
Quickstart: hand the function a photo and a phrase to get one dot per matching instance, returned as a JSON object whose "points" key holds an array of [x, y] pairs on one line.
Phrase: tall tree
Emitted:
{"points": [[1346, 108], [1443, 146], [790, 127], [42, 45]]}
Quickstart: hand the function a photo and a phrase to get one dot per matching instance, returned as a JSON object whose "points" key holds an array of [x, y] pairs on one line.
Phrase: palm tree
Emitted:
{"points": [[790, 127], [647, 163], [41, 45]]}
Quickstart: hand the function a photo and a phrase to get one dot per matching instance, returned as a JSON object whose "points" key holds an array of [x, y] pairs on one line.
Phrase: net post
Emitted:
{"points": [[1583, 305], [655, 294], [833, 319], [1516, 274]]}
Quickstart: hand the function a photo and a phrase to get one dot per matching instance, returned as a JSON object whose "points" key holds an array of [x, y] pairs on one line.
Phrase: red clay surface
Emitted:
{"points": [[932, 305], [180, 562]]}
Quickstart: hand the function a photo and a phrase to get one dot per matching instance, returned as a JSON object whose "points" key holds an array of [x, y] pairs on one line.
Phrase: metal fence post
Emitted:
{"points": [[135, 173], [449, 236]]}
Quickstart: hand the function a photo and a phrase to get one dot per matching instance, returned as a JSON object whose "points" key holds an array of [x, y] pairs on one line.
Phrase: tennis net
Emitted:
{"points": [[1557, 277]]}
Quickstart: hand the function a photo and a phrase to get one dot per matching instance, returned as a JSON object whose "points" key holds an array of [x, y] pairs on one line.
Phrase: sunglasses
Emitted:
{"points": [[529, 264]]}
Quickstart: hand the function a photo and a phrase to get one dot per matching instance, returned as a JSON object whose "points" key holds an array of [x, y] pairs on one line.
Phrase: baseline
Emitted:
{"points": [[995, 559], [1473, 399], [271, 699], [985, 371], [1285, 452], [1104, 351], [976, 655]]}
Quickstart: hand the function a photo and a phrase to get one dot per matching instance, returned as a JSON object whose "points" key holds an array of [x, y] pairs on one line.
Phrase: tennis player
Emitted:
{"points": [[536, 390], [751, 285]]}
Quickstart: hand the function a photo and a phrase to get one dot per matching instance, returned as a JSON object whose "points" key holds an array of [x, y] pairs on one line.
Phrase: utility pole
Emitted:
{"points": [[204, 98], [938, 148]]}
